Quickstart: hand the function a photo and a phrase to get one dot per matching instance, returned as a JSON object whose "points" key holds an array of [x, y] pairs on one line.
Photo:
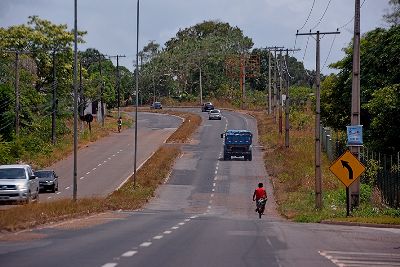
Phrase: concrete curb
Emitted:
{"points": [[372, 225]]}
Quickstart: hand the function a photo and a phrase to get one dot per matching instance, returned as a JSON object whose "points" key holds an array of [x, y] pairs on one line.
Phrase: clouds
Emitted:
{"points": [[111, 25]]}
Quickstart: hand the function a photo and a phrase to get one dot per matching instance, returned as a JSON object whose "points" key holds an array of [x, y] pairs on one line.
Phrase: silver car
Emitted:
{"points": [[214, 114], [18, 183]]}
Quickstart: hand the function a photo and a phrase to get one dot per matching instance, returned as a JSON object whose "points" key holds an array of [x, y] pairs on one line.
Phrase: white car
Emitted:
{"points": [[18, 183], [214, 114]]}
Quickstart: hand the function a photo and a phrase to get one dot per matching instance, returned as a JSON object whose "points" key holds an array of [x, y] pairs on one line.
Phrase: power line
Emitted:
{"points": [[351, 20], [323, 15], [308, 17], [330, 50]]}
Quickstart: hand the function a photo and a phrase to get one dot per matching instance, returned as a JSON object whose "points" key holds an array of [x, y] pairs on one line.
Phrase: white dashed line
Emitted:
{"points": [[214, 184], [193, 217], [129, 253], [181, 223], [216, 171], [82, 177], [120, 150], [93, 169], [145, 244], [105, 161], [212, 195], [48, 197], [215, 178], [117, 152], [58, 193], [167, 232], [175, 227], [187, 220], [113, 155], [213, 190], [209, 207], [210, 201], [87, 173], [111, 264], [67, 188], [98, 165], [158, 237], [109, 158]]}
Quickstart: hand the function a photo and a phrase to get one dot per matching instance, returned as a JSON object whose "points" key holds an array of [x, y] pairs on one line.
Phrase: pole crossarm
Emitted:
{"points": [[315, 33]]}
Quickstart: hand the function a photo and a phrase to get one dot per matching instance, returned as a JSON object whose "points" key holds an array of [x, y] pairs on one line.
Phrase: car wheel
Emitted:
{"points": [[53, 189]]}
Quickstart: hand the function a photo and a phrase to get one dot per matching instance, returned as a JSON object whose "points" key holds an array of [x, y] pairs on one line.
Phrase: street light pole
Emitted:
{"points": [[137, 90], [75, 100]]}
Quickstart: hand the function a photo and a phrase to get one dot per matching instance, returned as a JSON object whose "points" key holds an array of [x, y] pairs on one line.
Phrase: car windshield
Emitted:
{"points": [[44, 174], [12, 173], [214, 111]]}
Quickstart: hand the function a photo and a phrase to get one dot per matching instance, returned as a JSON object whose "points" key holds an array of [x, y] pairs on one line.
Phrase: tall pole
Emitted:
{"points": [[137, 91], [355, 98], [16, 93], [53, 114], [269, 84], [275, 87], [118, 87], [280, 93], [287, 101], [101, 92], [201, 88], [318, 178], [75, 184]]}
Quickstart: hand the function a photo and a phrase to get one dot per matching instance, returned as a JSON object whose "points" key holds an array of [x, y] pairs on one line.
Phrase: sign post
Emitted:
{"points": [[347, 168]]}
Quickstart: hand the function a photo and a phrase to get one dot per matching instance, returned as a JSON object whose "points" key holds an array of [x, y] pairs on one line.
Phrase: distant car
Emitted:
{"points": [[48, 180], [207, 106], [18, 183], [214, 114], [156, 105]]}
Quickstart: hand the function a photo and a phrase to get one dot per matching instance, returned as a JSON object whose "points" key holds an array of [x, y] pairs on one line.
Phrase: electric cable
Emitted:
{"points": [[329, 53], [323, 15], [308, 17]]}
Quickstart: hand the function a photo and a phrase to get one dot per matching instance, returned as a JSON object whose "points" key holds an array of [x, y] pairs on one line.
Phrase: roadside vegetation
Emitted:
{"points": [[149, 176]]}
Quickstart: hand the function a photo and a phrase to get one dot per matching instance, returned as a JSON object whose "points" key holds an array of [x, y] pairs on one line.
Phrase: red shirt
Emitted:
{"points": [[260, 193]]}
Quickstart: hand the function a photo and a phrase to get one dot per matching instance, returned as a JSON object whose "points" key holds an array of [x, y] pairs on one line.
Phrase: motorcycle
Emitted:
{"points": [[261, 206]]}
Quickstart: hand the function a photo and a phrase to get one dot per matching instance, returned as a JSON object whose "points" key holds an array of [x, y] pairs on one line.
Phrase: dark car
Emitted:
{"points": [[207, 106], [48, 180], [156, 105]]}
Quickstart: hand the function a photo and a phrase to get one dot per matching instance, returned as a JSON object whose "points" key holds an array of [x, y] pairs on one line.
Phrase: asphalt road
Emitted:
{"points": [[104, 165], [203, 216]]}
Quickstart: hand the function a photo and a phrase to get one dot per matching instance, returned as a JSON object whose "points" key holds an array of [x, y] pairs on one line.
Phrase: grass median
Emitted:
{"points": [[148, 177]]}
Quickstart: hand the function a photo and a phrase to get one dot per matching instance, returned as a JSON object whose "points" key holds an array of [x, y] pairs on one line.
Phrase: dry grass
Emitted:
{"points": [[128, 197], [291, 169]]}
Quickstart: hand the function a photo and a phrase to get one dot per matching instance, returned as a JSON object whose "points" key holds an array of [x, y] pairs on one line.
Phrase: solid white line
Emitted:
{"points": [[167, 232], [87, 173], [67, 188], [111, 264], [158, 237], [145, 244], [129, 253]]}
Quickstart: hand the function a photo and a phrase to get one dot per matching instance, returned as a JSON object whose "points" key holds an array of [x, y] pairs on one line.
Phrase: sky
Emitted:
{"points": [[111, 25]]}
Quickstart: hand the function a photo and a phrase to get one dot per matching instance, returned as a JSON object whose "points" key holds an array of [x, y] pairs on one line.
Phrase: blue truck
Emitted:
{"points": [[237, 143]]}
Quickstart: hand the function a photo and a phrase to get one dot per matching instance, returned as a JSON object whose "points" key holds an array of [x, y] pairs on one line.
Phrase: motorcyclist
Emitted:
{"points": [[259, 193], [119, 122]]}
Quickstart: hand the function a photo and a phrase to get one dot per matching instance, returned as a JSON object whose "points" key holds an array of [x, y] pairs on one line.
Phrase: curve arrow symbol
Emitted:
{"points": [[346, 165]]}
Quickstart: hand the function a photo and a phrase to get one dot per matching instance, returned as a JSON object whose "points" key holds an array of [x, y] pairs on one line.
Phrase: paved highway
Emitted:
{"points": [[203, 216]]}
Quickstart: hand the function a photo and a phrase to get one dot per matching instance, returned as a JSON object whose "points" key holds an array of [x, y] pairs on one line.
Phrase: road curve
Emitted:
{"points": [[203, 216]]}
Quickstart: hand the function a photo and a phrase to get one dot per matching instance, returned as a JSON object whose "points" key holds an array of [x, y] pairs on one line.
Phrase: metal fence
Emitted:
{"points": [[387, 177]]}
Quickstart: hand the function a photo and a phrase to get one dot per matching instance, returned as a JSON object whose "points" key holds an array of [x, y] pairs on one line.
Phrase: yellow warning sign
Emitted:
{"points": [[347, 168]]}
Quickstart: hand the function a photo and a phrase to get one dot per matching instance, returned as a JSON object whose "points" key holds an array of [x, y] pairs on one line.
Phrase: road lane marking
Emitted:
{"points": [[212, 195], [82, 177], [213, 190], [109, 158], [175, 227], [214, 184], [105, 161], [167, 232], [187, 220], [129, 253], [93, 169], [67, 188], [216, 171], [158, 237], [210, 201], [145, 244], [58, 193], [110, 264], [87, 173], [113, 155], [98, 165], [209, 207], [48, 197], [120, 150], [194, 217], [181, 223]]}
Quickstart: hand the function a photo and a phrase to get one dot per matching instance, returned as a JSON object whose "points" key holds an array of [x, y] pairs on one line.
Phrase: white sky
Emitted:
{"points": [[111, 25]]}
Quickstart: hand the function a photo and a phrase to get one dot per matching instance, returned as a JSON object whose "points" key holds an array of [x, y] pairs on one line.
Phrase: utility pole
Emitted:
{"points": [[54, 104], [270, 97], [201, 88], [318, 178], [118, 82], [136, 92], [287, 101], [17, 93], [280, 93], [101, 92], [354, 190], [75, 172]]}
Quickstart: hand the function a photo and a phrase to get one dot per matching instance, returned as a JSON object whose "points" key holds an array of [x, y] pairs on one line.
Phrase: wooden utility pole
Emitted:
{"points": [[279, 97], [354, 189], [17, 93], [101, 92], [318, 178], [54, 104], [118, 83], [270, 96]]}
